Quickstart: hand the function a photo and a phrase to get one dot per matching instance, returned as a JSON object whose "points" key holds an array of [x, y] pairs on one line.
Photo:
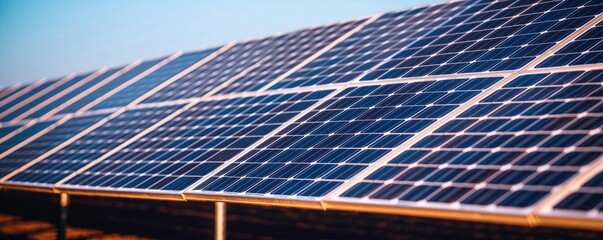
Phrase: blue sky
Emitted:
{"points": [[40, 38]]}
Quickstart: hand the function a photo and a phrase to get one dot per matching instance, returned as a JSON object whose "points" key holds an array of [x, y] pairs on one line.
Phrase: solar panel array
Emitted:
{"points": [[490, 107]]}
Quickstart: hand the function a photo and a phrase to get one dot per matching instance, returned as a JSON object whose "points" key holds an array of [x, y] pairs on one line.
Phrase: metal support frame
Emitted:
{"points": [[62, 226], [220, 221]]}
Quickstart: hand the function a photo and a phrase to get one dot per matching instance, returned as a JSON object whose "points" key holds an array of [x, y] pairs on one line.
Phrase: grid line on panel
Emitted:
{"points": [[21, 91], [366, 48], [139, 90], [45, 143], [219, 129], [73, 85], [36, 91], [277, 55], [42, 96], [79, 99], [458, 111], [264, 139], [501, 35], [183, 73], [187, 106], [584, 50], [29, 139], [342, 136], [553, 143], [124, 77], [92, 145], [10, 91], [320, 52], [551, 203], [156, 64]]}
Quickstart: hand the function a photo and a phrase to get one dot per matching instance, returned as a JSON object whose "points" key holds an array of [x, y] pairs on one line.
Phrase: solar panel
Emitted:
{"points": [[10, 91], [491, 110], [490, 36], [38, 100], [5, 131], [201, 138], [91, 146], [508, 151], [255, 63], [76, 89], [341, 137], [586, 49], [372, 44], [10, 103], [42, 144], [146, 84], [586, 201], [103, 92]]}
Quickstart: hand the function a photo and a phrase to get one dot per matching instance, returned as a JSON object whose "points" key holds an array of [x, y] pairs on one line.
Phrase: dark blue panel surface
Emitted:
{"points": [[490, 36], [186, 148], [71, 94], [101, 91], [28, 92], [342, 137], [511, 149], [147, 83], [46, 142], [263, 60], [586, 49], [53, 90], [371, 45], [93, 145]]}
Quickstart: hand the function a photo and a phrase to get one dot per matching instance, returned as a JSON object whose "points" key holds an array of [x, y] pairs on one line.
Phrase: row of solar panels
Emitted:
{"points": [[465, 107]]}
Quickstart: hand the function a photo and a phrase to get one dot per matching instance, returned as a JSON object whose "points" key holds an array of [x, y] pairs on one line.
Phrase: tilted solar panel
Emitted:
{"points": [[32, 90], [42, 144], [67, 96], [344, 135], [94, 144], [11, 91], [51, 91], [157, 77], [488, 110], [104, 91], [490, 36], [260, 62], [199, 139], [586, 49], [510, 150], [374, 43], [585, 202]]}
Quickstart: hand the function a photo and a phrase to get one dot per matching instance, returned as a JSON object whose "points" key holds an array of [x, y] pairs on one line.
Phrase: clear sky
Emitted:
{"points": [[41, 38]]}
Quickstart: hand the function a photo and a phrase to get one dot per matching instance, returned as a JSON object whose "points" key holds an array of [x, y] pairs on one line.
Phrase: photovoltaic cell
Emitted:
{"points": [[45, 142], [56, 89], [181, 151], [342, 137], [22, 135], [274, 56], [212, 73], [586, 49], [92, 145], [71, 94], [142, 86], [10, 91], [288, 51], [101, 91], [490, 36], [587, 200], [511, 149], [371, 45], [29, 92], [5, 131]]}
